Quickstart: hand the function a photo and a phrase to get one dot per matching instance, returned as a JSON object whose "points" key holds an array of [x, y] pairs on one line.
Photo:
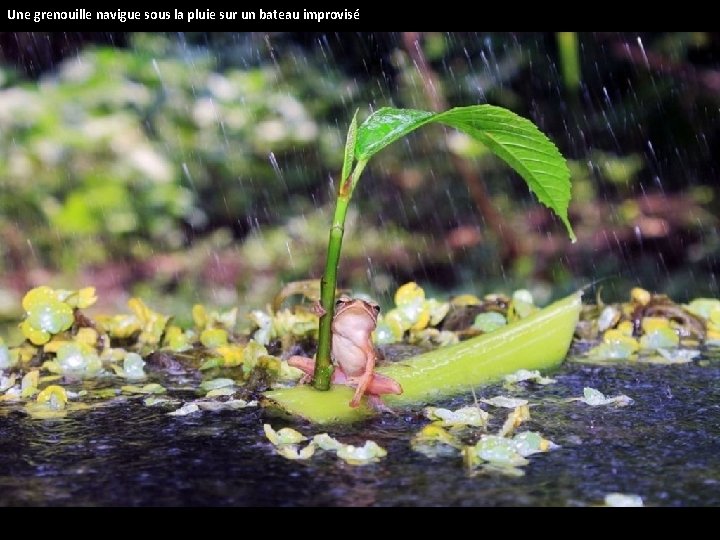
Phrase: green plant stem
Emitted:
{"points": [[569, 50], [328, 283]]}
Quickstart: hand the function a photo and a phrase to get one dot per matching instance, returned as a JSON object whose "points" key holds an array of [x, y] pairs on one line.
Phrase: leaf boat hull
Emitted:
{"points": [[540, 341]]}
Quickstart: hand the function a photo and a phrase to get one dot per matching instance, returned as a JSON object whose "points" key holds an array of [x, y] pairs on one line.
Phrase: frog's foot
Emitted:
{"points": [[377, 404], [362, 386], [376, 386]]}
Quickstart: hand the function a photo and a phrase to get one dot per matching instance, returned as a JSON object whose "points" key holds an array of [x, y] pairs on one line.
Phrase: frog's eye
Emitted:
{"points": [[342, 300], [375, 307]]}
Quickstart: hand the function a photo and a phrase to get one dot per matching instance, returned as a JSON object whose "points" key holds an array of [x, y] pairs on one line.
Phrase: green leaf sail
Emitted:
{"points": [[511, 137], [386, 126], [349, 148], [522, 146], [539, 341]]}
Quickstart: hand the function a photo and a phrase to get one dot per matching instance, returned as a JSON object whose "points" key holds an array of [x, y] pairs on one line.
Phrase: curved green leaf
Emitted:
{"points": [[511, 137], [522, 146], [385, 126], [349, 148]]}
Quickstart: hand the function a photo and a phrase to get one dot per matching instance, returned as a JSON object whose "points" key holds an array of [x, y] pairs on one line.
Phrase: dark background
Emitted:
{"points": [[200, 166]]}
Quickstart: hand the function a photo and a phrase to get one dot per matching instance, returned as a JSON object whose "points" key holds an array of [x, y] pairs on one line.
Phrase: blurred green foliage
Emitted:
{"points": [[120, 151], [171, 142]]}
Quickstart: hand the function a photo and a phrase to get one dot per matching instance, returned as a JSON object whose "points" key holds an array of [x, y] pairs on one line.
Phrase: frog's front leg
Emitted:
{"points": [[317, 309], [304, 364]]}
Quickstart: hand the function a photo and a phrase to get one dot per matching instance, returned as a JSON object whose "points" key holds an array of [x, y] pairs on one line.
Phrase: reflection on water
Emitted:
{"points": [[665, 447]]}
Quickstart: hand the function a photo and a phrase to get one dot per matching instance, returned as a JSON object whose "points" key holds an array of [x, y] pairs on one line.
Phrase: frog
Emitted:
{"points": [[353, 352]]}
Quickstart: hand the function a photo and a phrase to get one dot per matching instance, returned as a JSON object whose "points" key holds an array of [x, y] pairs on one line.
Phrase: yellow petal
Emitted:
{"points": [[650, 324], [438, 311], [712, 335], [434, 432], [55, 396], [409, 293], [139, 308], [625, 327], [397, 322], [37, 337], [283, 436], [514, 420], [616, 336], [422, 320], [53, 345], [52, 366], [29, 383], [214, 337], [84, 298], [23, 353], [271, 434], [38, 295], [119, 371], [466, 300], [640, 296], [199, 315], [87, 336], [232, 355], [119, 326], [176, 340], [290, 451]]}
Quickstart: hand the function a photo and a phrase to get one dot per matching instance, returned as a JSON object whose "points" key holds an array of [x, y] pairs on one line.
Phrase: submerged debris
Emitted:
{"points": [[489, 321], [514, 420], [623, 500], [210, 405], [415, 318], [505, 401], [465, 416], [370, 452], [495, 453], [435, 441], [64, 346], [133, 365], [499, 453], [187, 408], [523, 375], [152, 388], [650, 328], [595, 398], [283, 436], [286, 443]]}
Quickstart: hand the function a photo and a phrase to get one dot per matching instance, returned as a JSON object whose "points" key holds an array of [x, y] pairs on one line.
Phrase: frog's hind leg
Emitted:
{"points": [[364, 380]]}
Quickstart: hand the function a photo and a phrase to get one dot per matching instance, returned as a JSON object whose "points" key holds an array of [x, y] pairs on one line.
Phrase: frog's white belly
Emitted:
{"points": [[351, 358]]}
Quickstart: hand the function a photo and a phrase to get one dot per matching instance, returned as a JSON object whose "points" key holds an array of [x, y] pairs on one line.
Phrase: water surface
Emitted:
{"points": [[665, 447]]}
